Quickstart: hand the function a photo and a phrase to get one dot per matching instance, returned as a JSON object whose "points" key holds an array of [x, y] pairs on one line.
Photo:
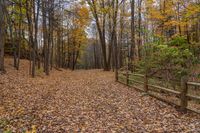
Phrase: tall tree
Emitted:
{"points": [[101, 29], [132, 50], [139, 27], [2, 33]]}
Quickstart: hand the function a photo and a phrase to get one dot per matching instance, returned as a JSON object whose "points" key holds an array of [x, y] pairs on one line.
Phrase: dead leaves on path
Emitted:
{"points": [[83, 101]]}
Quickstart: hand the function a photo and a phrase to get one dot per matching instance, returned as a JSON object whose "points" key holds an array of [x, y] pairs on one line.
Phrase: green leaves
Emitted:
{"points": [[174, 56], [178, 41]]}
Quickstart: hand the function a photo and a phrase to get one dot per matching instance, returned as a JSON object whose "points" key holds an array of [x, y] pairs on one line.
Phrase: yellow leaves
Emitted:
{"points": [[126, 14], [83, 11], [105, 10], [171, 23], [150, 1], [182, 23], [155, 14], [192, 10], [83, 17], [33, 130], [160, 11], [169, 8], [77, 34], [78, 38], [172, 14]]}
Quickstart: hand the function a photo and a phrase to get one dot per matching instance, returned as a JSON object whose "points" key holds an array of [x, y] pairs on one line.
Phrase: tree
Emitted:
{"points": [[139, 28], [2, 33], [101, 29], [133, 50], [50, 33]]}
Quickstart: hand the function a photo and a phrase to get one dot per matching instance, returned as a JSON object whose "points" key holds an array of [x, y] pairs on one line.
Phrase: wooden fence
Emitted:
{"points": [[182, 94]]}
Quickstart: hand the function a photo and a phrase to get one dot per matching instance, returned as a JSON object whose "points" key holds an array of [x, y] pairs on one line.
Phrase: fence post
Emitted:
{"points": [[184, 90], [145, 83], [127, 77]]}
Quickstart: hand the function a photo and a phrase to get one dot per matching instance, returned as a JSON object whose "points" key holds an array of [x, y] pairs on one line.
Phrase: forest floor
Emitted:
{"points": [[83, 101]]}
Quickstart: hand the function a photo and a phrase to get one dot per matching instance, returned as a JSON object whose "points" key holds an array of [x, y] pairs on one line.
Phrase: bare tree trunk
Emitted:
{"points": [[45, 36], [121, 34], [110, 30], [132, 50], [115, 13], [35, 47], [95, 55], [69, 52], [12, 41], [101, 31], [73, 56], [76, 57], [19, 35], [51, 34], [2, 34], [31, 39], [178, 17], [13, 46], [139, 28]]}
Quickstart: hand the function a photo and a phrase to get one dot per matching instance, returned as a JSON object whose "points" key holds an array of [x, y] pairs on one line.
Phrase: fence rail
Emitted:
{"points": [[193, 83], [182, 95]]}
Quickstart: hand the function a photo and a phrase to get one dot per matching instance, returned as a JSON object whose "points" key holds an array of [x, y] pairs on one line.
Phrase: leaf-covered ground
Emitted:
{"points": [[83, 101]]}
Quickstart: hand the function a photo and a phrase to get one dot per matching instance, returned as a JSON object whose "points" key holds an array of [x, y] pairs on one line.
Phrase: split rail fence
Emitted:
{"points": [[182, 94]]}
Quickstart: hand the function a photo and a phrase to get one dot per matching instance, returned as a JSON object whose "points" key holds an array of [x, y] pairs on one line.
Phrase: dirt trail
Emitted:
{"points": [[83, 101]]}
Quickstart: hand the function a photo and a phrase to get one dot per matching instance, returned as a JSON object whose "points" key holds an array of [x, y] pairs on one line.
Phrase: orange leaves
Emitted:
{"points": [[79, 37], [84, 101], [83, 17], [172, 14], [80, 21]]}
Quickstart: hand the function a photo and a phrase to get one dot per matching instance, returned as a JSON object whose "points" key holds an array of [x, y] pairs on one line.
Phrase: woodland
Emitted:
{"points": [[99, 66]]}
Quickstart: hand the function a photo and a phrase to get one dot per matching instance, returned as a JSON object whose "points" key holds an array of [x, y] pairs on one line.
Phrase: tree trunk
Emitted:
{"points": [[19, 36], [35, 47], [45, 36], [101, 31], [132, 50], [139, 28], [31, 39], [2, 34]]}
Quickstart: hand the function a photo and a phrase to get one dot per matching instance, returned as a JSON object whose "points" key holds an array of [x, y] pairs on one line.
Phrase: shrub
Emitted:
{"points": [[173, 57]]}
